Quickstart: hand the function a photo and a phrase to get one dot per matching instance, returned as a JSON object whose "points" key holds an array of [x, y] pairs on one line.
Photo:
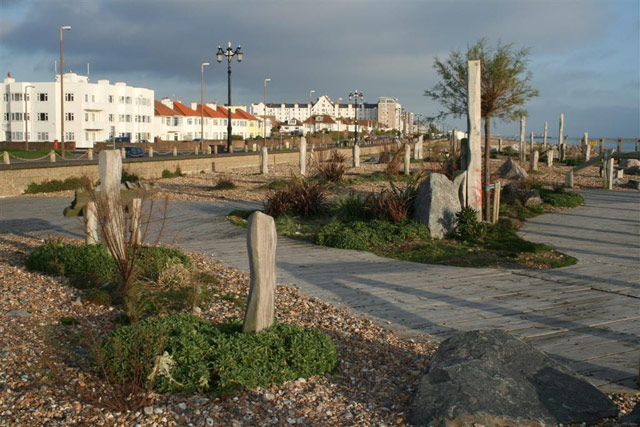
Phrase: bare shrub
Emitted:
{"points": [[394, 166]]}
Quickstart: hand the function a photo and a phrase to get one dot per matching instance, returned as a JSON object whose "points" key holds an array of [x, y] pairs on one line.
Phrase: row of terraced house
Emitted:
{"points": [[101, 111]]}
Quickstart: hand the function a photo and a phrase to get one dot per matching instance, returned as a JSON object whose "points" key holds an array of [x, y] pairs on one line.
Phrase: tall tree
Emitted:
{"points": [[506, 86]]}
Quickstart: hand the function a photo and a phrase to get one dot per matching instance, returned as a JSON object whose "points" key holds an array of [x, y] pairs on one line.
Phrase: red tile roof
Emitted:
{"points": [[162, 110], [246, 115], [210, 112], [183, 109]]}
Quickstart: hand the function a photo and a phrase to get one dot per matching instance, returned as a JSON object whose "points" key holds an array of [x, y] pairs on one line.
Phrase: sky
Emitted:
{"points": [[585, 55]]}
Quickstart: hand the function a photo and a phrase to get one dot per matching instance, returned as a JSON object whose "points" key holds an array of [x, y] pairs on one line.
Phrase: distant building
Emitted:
{"points": [[389, 113], [93, 111]]}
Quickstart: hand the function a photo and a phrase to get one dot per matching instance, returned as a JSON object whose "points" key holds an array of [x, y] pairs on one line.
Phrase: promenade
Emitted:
{"points": [[586, 316]]}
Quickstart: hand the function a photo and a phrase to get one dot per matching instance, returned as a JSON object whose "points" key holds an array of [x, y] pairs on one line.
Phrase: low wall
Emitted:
{"points": [[15, 178]]}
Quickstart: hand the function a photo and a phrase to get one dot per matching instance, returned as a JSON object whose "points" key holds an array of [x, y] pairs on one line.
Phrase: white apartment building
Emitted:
{"points": [[389, 113], [93, 111]]}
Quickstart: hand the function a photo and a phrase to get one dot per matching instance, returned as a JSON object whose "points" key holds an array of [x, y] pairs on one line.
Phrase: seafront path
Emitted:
{"points": [[587, 316]]}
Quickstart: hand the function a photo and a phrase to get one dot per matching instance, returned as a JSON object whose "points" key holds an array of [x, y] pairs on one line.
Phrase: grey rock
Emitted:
{"points": [[493, 378], [512, 170], [436, 204], [18, 313], [148, 410], [628, 163], [633, 417], [513, 194]]}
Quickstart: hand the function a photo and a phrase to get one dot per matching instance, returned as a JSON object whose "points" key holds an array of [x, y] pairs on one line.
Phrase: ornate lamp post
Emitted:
{"points": [[66, 27], [355, 95], [229, 53], [202, 65], [26, 118], [264, 114], [312, 125]]}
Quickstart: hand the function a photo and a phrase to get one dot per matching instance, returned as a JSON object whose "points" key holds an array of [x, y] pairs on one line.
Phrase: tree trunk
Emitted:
{"points": [[487, 173]]}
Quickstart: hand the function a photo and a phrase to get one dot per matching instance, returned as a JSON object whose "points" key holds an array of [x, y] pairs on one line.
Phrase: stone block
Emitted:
{"points": [[436, 204]]}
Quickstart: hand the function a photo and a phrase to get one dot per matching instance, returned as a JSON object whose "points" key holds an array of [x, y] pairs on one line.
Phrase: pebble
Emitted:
{"points": [[182, 406], [148, 410], [18, 313], [268, 397]]}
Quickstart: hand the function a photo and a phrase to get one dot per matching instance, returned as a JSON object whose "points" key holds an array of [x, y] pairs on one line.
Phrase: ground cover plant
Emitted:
{"points": [[166, 173], [380, 222], [29, 154], [54, 185]]}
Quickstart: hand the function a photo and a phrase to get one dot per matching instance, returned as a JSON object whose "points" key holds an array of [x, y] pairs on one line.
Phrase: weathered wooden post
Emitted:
{"points": [[496, 202], [418, 149], [123, 153], [544, 136], [550, 153], [569, 179], [561, 152], [303, 156], [5, 158], [531, 137], [499, 145], [619, 145], [286, 145], [150, 152], [356, 156], [175, 152], [254, 147], [261, 246], [90, 214], [110, 171], [452, 142], [215, 149], [637, 145], [195, 150], [608, 170], [90, 154], [474, 164], [208, 150], [601, 145], [264, 161], [587, 148], [52, 156], [407, 159], [523, 121], [135, 215], [246, 147], [534, 160]]}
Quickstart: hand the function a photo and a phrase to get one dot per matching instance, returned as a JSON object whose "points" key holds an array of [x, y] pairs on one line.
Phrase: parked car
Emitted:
{"points": [[133, 152]]}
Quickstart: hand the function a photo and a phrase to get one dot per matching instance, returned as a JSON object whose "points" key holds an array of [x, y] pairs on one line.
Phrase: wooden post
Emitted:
{"points": [[587, 148], [123, 153], [407, 159], [110, 172], [195, 150], [474, 163], [608, 171], [534, 160], [5, 158], [356, 156], [208, 150], [215, 149], [637, 145], [619, 145], [601, 145], [264, 161], [531, 137], [569, 179], [544, 137], [499, 145], [90, 154], [561, 151], [52, 156], [175, 152], [496, 202], [550, 156], [134, 221], [150, 151], [90, 214], [303, 156]]}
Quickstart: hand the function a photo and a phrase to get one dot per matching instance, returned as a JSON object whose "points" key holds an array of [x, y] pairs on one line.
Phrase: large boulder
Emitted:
{"points": [[436, 204], [512, 170], [493, 378]]}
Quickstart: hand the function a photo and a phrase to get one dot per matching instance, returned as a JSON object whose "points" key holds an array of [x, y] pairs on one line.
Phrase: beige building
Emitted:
{"points": [[389, 110]]}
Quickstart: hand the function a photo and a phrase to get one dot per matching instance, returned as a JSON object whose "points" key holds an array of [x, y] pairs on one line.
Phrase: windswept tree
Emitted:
{"points": [[506, 86]]}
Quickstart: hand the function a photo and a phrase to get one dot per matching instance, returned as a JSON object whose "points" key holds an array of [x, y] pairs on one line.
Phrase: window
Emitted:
{"points": [[69, 136], [17, 135], [43, 117], [110, 99], [43, 97], [6, 117], [110, 117], [6, 97], [128, 118], [27, 116], [16, 117], [128, 100], [86, 97], [86, 117], [68, 117], [121, 100], [68, 97], [43, 136], [189, 121], [93, 98], [17, 96], [121, 118]]}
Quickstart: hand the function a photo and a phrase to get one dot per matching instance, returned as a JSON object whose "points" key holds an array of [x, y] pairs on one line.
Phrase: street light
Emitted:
{"points": [[229, 53], [264, 115], [26, 118], [202, 65], [66, 27], [311, 129], [355, 95]]}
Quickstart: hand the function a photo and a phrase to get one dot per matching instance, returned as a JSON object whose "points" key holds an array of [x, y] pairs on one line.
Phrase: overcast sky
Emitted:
{"points": [[585, 55]]}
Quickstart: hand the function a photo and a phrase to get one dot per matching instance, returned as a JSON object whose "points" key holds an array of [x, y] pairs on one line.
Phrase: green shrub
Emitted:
{"points": [[54, 185], [89, 266], [275, 184], [129, 177], [351, 207], [573, 162], [68, 321], [199, 356], [560, 198], [366, 235], [532, 184], [166, 173], [224, 184], [98, 296], [468, 227]]}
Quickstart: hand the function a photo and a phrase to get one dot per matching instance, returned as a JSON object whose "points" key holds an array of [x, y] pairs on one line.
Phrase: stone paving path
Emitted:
{"points": [[587, 315]]}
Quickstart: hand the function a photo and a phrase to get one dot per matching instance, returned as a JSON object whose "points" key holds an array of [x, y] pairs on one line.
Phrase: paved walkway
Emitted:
{"points": [[587, 315]]}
